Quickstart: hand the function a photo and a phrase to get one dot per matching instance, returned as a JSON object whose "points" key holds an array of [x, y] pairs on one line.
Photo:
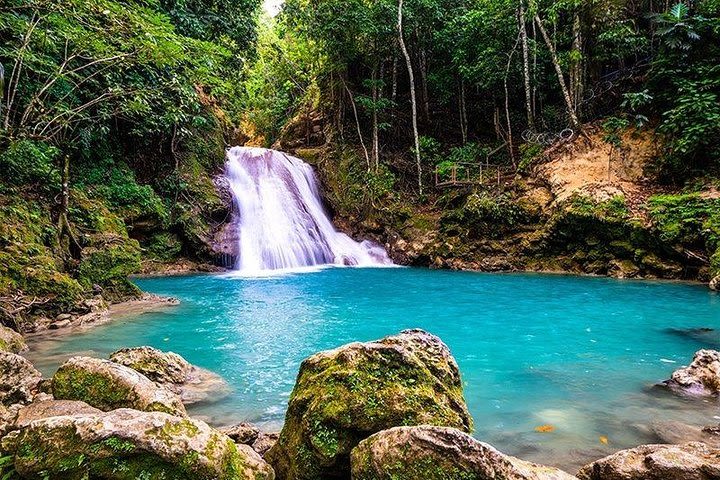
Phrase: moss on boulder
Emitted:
{"points": [[439, 453], [345, 395], [107, 261], [127, 445], [11, 341], [108, 386]]}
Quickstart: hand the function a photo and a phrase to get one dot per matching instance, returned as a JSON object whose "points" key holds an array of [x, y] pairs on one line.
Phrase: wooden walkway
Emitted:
{"points": [[464, 174]]}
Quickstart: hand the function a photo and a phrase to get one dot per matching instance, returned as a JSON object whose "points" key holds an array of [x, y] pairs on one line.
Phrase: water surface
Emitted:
{"points": [[578, 353]]}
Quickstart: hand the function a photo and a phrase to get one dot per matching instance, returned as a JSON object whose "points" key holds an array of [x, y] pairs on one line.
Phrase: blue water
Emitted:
{"points": [[580, 354]]}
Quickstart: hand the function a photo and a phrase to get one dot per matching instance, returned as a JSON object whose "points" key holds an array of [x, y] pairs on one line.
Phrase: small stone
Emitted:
{"points": [[715, 283], [245, 433], [59, 324], [62, 317], [264, 442]]}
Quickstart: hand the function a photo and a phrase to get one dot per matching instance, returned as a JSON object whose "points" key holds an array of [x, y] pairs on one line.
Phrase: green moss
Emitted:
{"points": [[71, 383], [109, 263], [688, 219]]}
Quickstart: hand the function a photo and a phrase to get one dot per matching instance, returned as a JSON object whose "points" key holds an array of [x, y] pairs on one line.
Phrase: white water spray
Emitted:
{"points": [[280, 217]]}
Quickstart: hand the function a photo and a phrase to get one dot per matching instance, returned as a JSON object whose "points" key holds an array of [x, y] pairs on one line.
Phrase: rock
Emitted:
{"points": [[107, 386], [715, 283], [62, 317], [701, 378], [127, 444], [439, 453], [52, 408], [692, 461], [675, 432], [18, 379], [172, 371], [345, 395], [11, 341], [245, 433], [158, 366], [264, 442], [59, 324]]}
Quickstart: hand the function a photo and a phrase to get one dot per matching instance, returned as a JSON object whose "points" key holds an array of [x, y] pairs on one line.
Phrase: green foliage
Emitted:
{"points": [[28, 162], [688, 219], [613, 128], [613, 210]]}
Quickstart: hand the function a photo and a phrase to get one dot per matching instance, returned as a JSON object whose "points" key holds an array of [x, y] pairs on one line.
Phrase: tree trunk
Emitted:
{"points": [[357, 124], [576, 65], [413, 100], [507, 104], [463, 113], [423, 79], [393, 96], [64, 229], [375, 139], [526, 69], [574, 122]]}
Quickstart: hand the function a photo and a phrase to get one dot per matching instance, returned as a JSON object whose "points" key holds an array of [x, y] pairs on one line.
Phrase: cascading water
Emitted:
{"points": [[281, 221]]}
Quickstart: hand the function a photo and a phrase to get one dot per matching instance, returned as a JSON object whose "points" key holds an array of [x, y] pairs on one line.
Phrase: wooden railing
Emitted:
{"points": [[461, 174]]}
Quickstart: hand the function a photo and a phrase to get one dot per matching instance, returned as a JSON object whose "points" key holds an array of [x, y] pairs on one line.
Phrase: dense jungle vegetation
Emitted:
{"points": [[115, 114]]}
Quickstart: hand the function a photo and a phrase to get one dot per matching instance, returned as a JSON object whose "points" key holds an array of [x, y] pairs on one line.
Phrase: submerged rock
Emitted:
{"points": [[700, 378], [107, 385], [675, 432], [19, 380], [343, 396], [11, 341], [173, 372], [439, 453], [692, 461], [125, 445]]}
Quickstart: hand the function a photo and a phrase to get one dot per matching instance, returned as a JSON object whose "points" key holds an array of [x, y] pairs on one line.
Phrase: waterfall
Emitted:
{"points": [[280, 218]]}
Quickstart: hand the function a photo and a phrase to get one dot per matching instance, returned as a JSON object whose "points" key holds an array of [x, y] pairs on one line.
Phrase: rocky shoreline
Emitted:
{"points": [[387, 409]]}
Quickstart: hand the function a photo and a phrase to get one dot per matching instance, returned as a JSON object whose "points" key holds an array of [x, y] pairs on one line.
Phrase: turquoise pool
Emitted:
{"points": [[580, 354]]}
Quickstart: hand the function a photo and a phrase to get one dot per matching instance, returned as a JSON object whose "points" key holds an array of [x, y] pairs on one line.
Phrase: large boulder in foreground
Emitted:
{"points": [[439, 453], [700, 378], [11, 341], [345, 395], [126, 445], [19, 380], [172, 371], [108, 386], [692, 461]]}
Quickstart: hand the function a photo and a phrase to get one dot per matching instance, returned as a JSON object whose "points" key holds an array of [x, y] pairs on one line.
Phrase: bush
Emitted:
{"points": [[688, 218], [29, 162]]}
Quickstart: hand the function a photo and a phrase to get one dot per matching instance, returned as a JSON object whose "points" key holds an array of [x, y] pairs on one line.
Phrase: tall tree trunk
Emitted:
{"points": [[64, 229], [575, 123], [375, 139], [413, 100], [526, 68], [507, 104], [576, 65], [357, 124], [463, 113], [393, 95], [423, 79]]}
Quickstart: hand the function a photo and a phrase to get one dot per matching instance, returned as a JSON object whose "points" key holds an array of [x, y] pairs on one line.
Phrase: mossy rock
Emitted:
{"points": [[108, 261], [439, 453], [19, 380], [345, 395], [127, 445], [108, 386], [11, 341]]}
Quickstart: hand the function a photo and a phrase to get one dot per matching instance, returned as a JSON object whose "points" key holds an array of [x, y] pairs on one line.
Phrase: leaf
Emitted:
{"points": [[545, 429], [604, 440]]}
